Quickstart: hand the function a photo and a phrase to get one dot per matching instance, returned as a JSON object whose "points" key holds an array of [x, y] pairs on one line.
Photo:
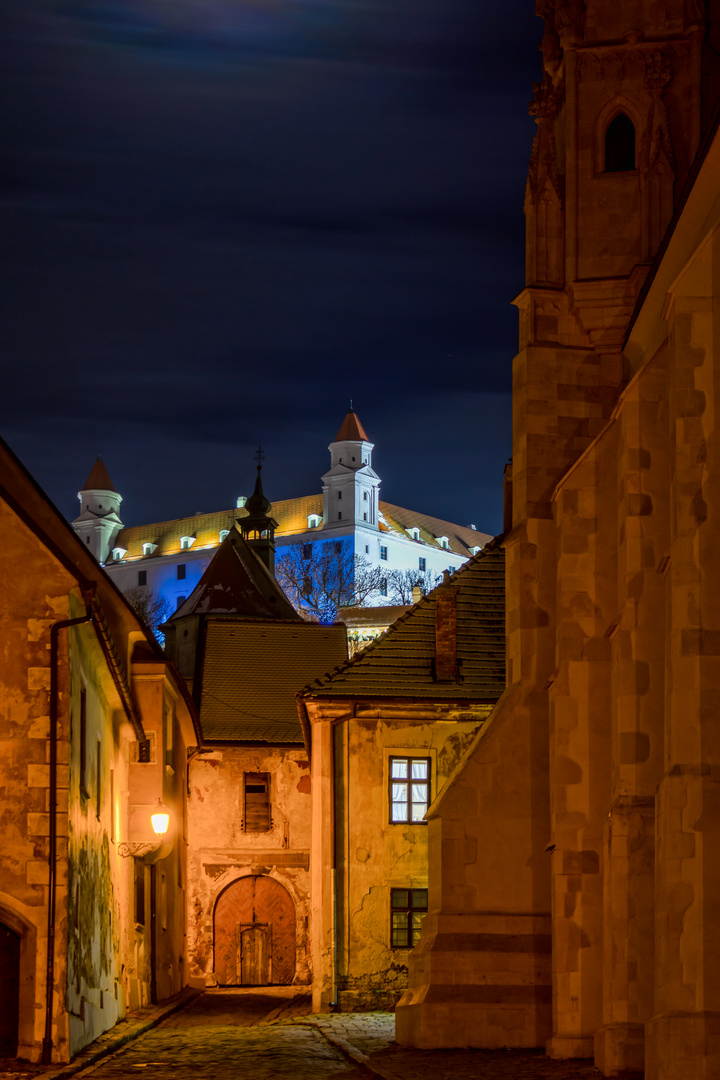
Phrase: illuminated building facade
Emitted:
{"points": [[168, 558]]}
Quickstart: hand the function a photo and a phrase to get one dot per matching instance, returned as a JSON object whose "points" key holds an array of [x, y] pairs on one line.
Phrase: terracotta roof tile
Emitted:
{"points": [[400, 663], [252, 671]]}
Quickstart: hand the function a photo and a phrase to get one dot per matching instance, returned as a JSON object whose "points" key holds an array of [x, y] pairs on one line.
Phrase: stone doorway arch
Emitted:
{"points": [[254, 933], [9, 990]]}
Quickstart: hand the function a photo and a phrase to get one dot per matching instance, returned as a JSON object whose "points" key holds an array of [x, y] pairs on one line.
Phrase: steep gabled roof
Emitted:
{"points": [[237, 582], [351, 430], [99, 478], [400, 664], [252, 672]]}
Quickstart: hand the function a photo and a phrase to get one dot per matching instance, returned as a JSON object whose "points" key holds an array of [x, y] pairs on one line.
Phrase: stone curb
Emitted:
{"points": [[112, 1040], [345, 1047]]}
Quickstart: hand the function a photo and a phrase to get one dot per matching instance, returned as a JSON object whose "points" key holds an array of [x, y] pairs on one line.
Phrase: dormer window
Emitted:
{"points": [[186, 542], [223, 534], [313, 521], [117, 553], [443, 541], [414, 534], [148, 549], [242, 499], [474, 550]]}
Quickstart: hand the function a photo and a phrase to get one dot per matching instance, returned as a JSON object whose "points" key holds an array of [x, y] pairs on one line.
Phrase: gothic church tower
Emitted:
{"points": [[620, 112]]}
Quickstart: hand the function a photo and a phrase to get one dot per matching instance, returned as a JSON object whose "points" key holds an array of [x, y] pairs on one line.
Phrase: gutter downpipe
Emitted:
{"points": [[55, 629], [333, 873]]}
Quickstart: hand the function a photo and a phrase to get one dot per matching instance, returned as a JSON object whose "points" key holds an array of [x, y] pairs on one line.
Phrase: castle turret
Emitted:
{"points": [[99, 521], [351, 488]]}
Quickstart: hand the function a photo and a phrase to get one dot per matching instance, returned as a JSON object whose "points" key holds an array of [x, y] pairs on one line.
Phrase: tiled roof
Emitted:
{"points": [[237, 582], [355, 617], [252, 671], [400, 663], [351, 430], [291, 516], [99, 478]]}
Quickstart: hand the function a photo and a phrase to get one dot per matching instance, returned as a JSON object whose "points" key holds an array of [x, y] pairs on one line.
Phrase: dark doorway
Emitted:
{"points": [[255, 934], [9, 990]]}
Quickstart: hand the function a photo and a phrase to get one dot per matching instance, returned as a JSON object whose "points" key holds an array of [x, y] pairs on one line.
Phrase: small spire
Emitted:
{"points": [[99, 478]]}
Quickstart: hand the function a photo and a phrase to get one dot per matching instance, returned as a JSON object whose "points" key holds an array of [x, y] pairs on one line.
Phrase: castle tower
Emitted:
{"points": [[258, 527], [98, 522], [351, 488], [620, 118]]}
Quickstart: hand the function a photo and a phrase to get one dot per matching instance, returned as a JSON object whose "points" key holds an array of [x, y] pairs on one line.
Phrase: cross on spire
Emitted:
{"points": [[259, 456]]}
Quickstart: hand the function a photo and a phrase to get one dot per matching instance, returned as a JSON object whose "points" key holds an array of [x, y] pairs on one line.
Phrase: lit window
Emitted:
{"points": [[307, 551], [142, 577], [422, 564], [223, 534], [257, 802], [383, 587], [383, 553], [181, 571], [409, 788], [407, 908]]}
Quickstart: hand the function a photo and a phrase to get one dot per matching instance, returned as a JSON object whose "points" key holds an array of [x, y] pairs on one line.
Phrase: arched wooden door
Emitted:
{"points": [[254, 932], [9, 990]]}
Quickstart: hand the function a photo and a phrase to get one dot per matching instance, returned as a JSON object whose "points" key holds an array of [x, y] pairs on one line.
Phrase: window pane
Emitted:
{"points": [[418, 811], [417, 919], [419, 793], [399, 792], [400, 811], [419, 770], [400, 929], [399, 898], [399, 767], [419, 899]]}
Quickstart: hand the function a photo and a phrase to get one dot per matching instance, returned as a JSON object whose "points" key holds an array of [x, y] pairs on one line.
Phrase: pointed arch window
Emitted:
{"points": [[620, 144]]}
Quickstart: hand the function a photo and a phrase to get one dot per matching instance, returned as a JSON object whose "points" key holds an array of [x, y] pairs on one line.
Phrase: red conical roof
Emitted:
{"points": [[351, 430], [98, 478]]}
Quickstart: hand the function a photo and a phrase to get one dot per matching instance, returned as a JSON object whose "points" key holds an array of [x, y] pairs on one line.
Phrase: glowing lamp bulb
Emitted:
{"points": [[160, 819]]}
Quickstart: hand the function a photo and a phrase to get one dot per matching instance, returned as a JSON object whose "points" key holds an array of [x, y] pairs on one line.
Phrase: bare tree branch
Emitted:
{"points": [[322, 577], [402, 582]]}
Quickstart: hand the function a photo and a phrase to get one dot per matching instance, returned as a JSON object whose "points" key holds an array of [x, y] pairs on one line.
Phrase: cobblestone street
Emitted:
{"points": [[268, 1034]]}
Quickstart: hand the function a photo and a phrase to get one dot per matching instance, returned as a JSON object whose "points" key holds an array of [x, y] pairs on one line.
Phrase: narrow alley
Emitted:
{"points": [[267, 1034]]}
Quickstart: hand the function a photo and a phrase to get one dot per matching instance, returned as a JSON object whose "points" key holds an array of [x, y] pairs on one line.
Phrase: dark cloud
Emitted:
{"points": [[224, 219]]}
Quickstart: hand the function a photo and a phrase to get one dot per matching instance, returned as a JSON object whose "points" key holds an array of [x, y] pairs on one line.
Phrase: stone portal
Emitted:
{"points": [[254, 933]]}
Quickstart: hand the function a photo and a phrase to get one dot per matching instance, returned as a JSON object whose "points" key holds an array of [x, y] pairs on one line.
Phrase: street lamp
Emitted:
{"points": [[160, 818]]}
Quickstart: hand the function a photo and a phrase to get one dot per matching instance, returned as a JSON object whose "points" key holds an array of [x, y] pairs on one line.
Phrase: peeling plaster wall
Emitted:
{"points": [[221, 850], [29, 604], [372, 856]]}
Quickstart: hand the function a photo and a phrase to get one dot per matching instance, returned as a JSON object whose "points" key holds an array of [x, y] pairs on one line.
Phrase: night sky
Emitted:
{"points": [[225, 219]]}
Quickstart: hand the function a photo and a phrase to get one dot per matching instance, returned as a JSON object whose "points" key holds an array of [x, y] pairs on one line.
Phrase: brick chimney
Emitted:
{"points": [[446, 632]]}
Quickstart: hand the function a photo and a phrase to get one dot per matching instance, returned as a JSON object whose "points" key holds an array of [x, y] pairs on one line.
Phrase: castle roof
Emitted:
{"points": [[351, 430], [251, 672], [99, 478], [400, 664], [292, 518], [237, 582]]}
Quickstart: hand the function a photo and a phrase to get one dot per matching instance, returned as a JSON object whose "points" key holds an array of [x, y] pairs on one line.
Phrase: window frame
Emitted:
{"points": [[409, 908], [409, 759], [383, 553]]}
